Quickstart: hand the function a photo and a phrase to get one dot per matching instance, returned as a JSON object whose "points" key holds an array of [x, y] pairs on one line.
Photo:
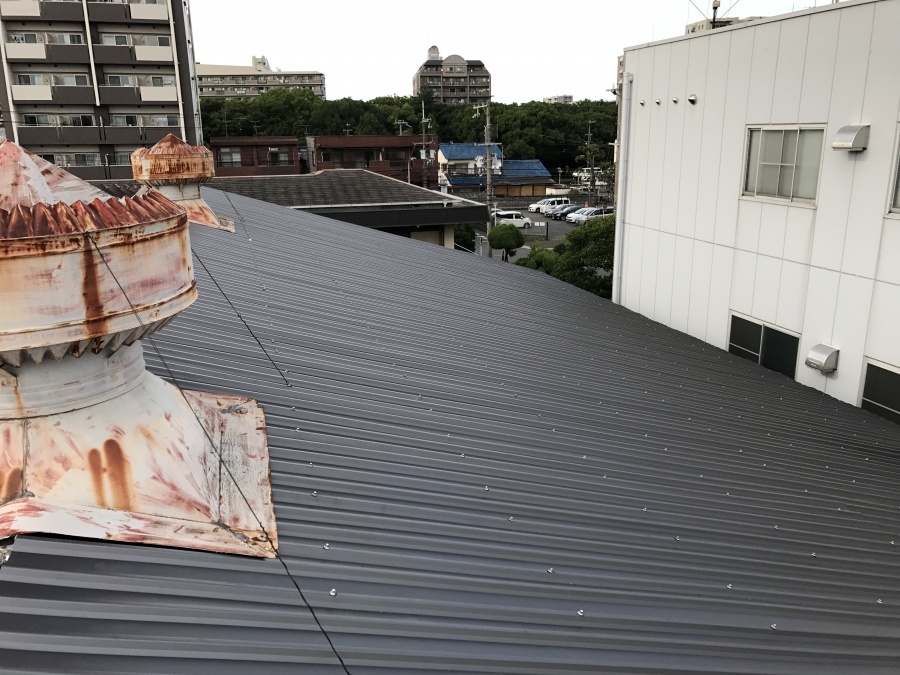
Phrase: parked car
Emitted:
{"points": [[560, 212], [570, 217], [585, 214], [551, 212], [534, 207], [513, 217], [553, 202]]}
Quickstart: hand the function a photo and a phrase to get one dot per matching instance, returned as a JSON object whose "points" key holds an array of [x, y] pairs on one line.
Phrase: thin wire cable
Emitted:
{"points": [[238, 314], [216, 449]]}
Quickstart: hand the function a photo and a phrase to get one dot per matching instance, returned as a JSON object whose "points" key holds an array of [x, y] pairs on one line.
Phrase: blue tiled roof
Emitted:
{"points": [[524, 167], [459, 151]]}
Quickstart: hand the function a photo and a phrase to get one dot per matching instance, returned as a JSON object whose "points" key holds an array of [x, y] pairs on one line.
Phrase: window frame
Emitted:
{"points": [[777, 199], [764, 325], [894, 197]]}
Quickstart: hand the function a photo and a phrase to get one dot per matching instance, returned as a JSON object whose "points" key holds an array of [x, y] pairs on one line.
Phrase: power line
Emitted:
{"points": [[212, 443]]}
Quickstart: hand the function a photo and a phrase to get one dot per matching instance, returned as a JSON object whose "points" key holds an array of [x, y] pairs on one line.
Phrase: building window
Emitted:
{"points": [[784, 163], [881, 394], [764, 345], [66, 38], [229, 156], [120, 80], [162, 121], [123, 120], [72, 80], [896, 204], [114, 39], [158, 41], [162, 81], [29, 79], [76, 120], [24, 38], [36, 120]]}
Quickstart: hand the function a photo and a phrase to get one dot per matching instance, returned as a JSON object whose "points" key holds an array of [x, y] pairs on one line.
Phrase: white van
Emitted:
{"points": [[512, 218], [553, 202]]}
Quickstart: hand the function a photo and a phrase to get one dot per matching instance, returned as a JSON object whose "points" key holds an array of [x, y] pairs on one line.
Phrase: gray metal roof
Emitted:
{"points": [[456, 429]]}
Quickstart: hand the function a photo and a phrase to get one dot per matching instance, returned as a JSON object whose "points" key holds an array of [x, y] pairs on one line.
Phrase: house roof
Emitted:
{"points": [[324, 188], [524, 168], [461, 151], [552, 484]]}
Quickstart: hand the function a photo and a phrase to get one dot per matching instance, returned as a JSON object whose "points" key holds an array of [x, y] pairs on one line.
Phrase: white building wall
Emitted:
{"points": [[697, 250]]}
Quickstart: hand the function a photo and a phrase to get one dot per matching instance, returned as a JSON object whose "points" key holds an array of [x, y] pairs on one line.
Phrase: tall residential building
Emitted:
{"points": [[453, 80], [86, 83], [562, 98], [255, 79]]}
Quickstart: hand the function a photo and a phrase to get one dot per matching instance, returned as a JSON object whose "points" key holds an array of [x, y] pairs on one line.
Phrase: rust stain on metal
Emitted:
{"points": [[95, 464], [91, 290], [10, 484], [172, 159], [118, 471]]}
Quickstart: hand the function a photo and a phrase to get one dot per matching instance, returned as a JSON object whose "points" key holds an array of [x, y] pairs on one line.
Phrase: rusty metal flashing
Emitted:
{"points": [[140, 468]]}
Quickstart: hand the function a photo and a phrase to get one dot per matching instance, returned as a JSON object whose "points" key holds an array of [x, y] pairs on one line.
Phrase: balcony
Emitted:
{"points": [[136, 135], [10, 9], [159, 94], [119, 95], [113, 54], [108, 12], [52, 135], [25, 51], [149, 12], [150, 53], [63, 95], [26, 93]]}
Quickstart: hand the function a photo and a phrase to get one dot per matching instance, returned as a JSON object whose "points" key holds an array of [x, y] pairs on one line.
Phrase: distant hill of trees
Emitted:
{"points": [[554, 133]]}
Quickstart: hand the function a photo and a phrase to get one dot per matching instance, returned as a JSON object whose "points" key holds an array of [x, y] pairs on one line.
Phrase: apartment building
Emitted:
{"points": [[86, 83], [562, 98], [454, 80], [255, 79], [759, 194], [399, 157]]}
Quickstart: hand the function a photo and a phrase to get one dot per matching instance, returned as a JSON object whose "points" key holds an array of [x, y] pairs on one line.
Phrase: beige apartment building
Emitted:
{"points": [[86, 83], [255, 79], [454, 80]]}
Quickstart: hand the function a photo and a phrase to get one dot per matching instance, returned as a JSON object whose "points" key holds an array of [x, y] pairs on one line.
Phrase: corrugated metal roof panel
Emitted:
{"points": [[460, 151], [456, 429]]}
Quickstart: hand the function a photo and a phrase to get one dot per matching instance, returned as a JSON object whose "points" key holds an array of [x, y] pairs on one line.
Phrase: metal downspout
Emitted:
{"points": [[622, 190]]}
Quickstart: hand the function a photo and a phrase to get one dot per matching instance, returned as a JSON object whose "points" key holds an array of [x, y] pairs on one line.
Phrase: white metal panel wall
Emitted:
{"points": [[806, 270]]}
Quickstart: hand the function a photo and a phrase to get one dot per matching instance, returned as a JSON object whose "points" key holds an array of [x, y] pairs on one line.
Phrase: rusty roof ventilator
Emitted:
{"points": [[92, 444]]}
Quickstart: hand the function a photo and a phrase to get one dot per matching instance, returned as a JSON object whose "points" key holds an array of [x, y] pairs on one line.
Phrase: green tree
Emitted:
{"points": [[586, 256], [506, 237], [540, 258], [464, 235]]}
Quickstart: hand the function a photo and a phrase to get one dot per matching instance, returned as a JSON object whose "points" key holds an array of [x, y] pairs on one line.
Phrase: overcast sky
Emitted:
{"points": [[369, 48]]}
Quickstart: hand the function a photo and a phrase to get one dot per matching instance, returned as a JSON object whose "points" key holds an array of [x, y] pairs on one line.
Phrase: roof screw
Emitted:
{"points": [[774, 626], [879, 601], [511, 519], [677, 538], [580, 612], [813, 555], [327, 546], [728, 587], [486, 488], [463, 455], [550, 571], [315, 494], [332, 592]]}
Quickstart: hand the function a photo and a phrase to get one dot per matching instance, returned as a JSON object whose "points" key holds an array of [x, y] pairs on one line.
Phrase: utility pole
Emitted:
{"points": [[400, 124], [489, 185], [591, 151], [425, 161]]}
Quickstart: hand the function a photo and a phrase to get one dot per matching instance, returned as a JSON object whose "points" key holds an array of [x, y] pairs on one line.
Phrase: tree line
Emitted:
{"points": [[554, 133]]}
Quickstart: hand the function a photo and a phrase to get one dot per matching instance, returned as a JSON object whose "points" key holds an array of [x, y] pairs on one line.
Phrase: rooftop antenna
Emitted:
{"points": [[400, 124]]}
